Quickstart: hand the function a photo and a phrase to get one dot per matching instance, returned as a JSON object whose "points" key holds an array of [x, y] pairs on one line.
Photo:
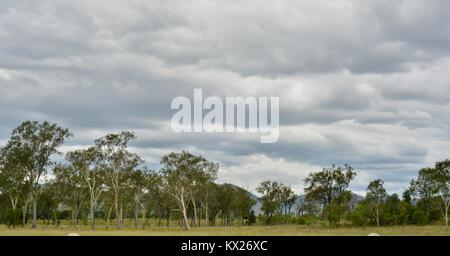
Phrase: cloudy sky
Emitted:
{"points": [[360, 82]]}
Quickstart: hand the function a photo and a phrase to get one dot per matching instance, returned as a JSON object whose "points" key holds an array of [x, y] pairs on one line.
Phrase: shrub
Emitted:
{"points": [[419, 217]]}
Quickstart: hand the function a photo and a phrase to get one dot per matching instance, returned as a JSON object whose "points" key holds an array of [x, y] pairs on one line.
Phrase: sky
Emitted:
{"points": [[363, 83]]}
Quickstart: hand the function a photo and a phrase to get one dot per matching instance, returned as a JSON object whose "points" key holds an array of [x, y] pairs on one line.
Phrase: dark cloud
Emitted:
{"points": [[360, 82]]}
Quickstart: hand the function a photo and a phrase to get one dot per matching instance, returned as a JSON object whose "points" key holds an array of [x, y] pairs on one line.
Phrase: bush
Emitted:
{"points": [[309, 219], [333, 213], [12, 218], [288, 219], [359, 216], [419, 217], [251, 218], [357, 219]]}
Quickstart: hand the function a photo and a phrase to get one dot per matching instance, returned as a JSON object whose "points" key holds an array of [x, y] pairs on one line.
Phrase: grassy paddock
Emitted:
{"points": [[281, 230]]}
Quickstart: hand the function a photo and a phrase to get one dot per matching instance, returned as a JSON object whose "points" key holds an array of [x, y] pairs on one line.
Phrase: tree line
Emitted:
{"points": [[327, 198], [109, 182]]}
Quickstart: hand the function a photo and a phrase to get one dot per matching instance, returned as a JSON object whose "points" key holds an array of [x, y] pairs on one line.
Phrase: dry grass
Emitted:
{"points": [[234, 231]]}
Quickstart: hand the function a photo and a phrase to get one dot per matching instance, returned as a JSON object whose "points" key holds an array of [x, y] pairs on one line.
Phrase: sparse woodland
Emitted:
{"points": [[106, 184]]}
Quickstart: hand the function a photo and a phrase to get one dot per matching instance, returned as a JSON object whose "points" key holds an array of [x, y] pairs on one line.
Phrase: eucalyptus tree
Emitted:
{"points": [[50, 197], [69, 181], [201, 178], [287, 198], [159, 198], [226, 202], [107, 203], [242, 204], [215, 203], [13, 181], [39, 141], [149, 196], [138, 187], [391, 210], [423, 192], [443, 180], [375, 196], [270, 199], [118, 162], [329, 187], [181, 172], [89, 165], [433, 183], [230, 203], [210, 175]]}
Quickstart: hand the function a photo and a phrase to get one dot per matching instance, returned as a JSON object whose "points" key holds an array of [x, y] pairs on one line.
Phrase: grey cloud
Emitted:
{"points": [[360, 82]]}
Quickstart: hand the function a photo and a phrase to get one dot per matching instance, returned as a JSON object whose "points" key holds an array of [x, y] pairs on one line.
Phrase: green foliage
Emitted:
{"points": [[419, 217], [277, 219], [329, 188], [307, 220], [108, 181], [405, 210], [276, 198], [252, 218], [360, 215], [37, 143], [390, 211], [270, 199], [13, 218], [432, 191], [375, 197]]}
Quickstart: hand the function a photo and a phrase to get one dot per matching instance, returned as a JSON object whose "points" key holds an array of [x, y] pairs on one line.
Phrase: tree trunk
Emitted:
{"points": [[116, 207], [34, 225], [195, 211], [75, 212], [446, 214], [24, 214], [206, 214], [446, 218], [92, 211], [143, 218], [55, 217], [184, 210], [136, 214], [121, 216], [14, 218], [72, 223], [108, 216], [206, 206], [378, 217], [14, 206]]}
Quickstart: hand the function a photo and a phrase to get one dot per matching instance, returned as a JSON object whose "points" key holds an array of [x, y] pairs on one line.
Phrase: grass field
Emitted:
{"points": [[235, 231]]}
